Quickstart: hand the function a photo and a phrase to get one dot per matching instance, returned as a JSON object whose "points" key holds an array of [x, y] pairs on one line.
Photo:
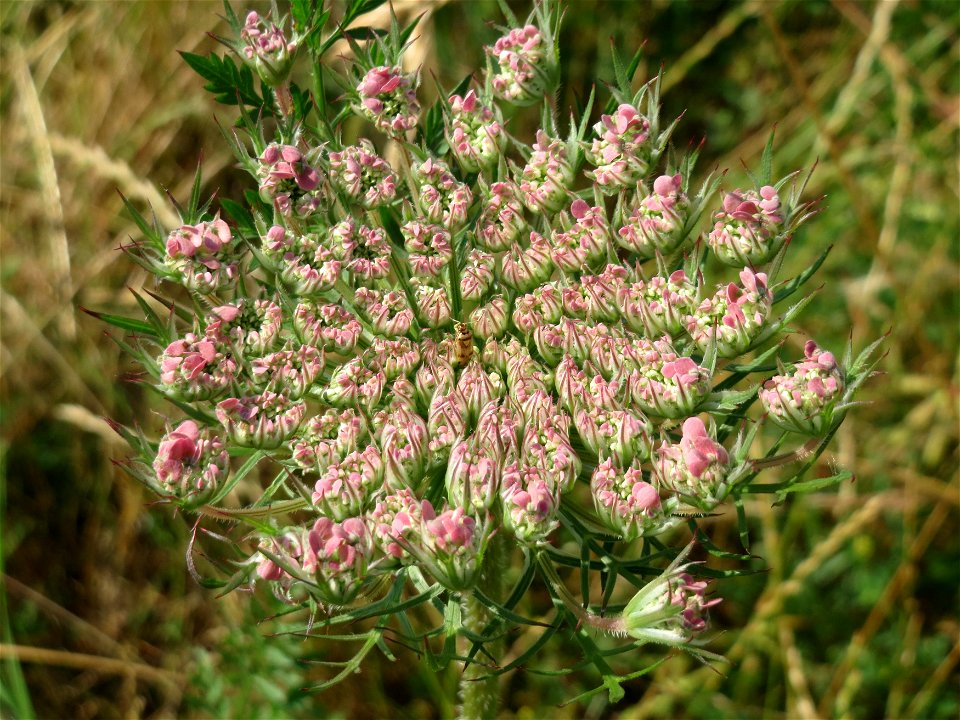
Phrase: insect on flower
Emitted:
{"points": [[463, 345]]}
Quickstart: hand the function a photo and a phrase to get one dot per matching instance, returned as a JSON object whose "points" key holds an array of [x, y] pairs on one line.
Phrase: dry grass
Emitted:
{"points": [[95, 99]]}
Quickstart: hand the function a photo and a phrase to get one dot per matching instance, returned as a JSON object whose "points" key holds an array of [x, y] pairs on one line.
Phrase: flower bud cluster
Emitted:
{"points": [[288, 180], [201, 255], [734, 316], [363, 175], [524, 59], [802, 400], [618, 151], [749, 229], [388, 99], [191, 463], [475, 137], [658, 223], [267, 49]]}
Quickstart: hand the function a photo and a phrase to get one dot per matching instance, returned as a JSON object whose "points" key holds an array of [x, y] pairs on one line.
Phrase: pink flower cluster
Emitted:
{"points": [[696, 467], [619, 151], [658, 222], [287, 180], [249, 326], [548, 175], [734, 317], [626, 502], [363, 175], [191, 463], [523, 56], [501, 219], [585, 243], [266, 420], [267, 48], [802, 400], [670, 610], [388, 99], [442, 198], [327, 326], [659, 306], [749, 229], [200, 255], [328, 437], [195, 368], [475, 137], [664, 383], [302, 261]]}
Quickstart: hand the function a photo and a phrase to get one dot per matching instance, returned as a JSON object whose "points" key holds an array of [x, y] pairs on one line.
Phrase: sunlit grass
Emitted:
{"points": [[856, 616]]}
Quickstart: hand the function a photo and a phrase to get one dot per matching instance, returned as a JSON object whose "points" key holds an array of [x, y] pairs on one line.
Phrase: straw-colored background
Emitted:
{"points": [[857, 616]]}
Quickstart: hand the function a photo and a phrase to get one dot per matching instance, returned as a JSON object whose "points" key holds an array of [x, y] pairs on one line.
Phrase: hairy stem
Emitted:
{"points": [[479, 691]]}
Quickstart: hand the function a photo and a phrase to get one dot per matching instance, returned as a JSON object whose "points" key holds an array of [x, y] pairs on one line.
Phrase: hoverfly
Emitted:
{"points": [[462, 345]]}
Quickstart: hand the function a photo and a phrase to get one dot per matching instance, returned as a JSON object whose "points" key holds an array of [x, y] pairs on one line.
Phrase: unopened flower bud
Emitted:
{"points": [[388, 312], [619, 151], [802, 401], [388, 99], [477, 276], [263, 421], [626, 502], [490, 320], [658, 224], [473, 476], [191, 463], [735, 315], [695, 468], [749, 229], [346, 488]]}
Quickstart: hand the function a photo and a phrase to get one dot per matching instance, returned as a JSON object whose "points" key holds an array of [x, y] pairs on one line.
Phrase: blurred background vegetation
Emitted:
{"points": [[857, 615]]}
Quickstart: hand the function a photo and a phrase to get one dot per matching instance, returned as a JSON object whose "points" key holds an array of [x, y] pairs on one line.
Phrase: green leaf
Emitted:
{"points": [[230, 84], [240, 216], [129, 324], [791, 286], [766, 161], [152, 233], [811, 485]]}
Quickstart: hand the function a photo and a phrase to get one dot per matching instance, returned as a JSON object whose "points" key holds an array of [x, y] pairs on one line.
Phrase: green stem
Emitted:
{"points": [[479, 690]]}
